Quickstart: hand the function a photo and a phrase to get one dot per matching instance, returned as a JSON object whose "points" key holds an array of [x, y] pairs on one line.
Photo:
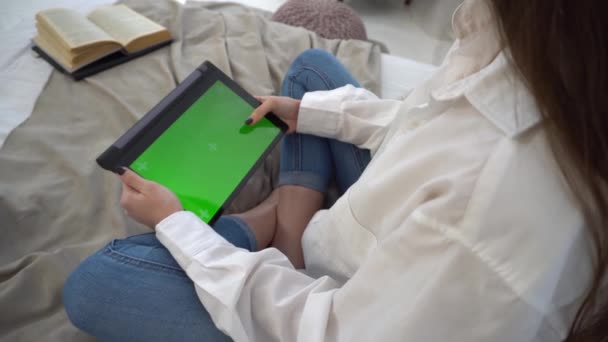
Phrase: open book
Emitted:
{"points": [[74, 41]]}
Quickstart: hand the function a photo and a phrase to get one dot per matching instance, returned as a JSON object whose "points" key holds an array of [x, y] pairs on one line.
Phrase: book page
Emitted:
{"points": [[74, 62], [73, 56], [71, 28], [124, 24]]}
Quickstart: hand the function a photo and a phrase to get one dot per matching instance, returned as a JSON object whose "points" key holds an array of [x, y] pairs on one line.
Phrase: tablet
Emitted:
{"points": [[195, 142]]}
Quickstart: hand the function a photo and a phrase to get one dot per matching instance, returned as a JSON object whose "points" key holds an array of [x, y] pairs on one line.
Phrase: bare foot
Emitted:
{"points": [[263, 219]]}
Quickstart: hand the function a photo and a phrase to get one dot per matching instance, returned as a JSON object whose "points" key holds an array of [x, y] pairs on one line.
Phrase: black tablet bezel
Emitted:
{"points": [[144, 132]]}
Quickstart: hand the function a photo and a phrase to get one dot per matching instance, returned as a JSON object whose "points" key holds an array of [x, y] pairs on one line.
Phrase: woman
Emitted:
{"points": [[481, 216]]}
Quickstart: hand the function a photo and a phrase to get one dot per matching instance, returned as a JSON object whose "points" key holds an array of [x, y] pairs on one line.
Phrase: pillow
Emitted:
{"points": [[330, 19]]}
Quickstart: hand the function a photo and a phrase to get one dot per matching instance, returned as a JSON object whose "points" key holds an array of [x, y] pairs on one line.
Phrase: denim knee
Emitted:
{"points": [[313, 70], [128, 292], [313, 56], [85, 288], [78, 308]]}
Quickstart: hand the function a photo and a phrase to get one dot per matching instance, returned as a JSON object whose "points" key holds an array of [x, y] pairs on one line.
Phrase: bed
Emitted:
{"points": [[56, 205]]}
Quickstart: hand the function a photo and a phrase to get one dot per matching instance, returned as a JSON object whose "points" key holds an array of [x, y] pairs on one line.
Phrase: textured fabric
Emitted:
{"points": [[330, 19], [22, 74], [460, 229], [57, 206]]}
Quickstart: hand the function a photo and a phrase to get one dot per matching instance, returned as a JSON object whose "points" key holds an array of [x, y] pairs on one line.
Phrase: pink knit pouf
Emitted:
{"points": [[329, 18]]}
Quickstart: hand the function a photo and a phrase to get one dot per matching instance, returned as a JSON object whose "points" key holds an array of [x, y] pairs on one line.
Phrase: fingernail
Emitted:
{"points": [[120, 170], [248, 121]]}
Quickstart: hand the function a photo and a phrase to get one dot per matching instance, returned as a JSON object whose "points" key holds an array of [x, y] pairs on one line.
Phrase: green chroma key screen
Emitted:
{"points": [[204, 155]]}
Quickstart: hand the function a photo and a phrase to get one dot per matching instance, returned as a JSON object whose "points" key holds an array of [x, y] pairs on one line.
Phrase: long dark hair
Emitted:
{"points": [[560, 49]]}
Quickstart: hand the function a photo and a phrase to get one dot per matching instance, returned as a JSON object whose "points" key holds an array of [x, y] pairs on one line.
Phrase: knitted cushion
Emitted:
{"points": [[328, 18]]}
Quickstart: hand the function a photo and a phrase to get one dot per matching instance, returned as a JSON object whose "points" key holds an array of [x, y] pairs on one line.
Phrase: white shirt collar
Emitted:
{"points": [[479, 69]]}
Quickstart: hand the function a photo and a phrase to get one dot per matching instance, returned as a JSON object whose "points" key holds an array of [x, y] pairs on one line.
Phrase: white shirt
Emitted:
{"points": [[460, 229]]}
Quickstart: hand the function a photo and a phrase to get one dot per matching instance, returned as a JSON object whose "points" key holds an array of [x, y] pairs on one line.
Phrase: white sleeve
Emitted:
{"points": [[420, 285], [349, 114]]}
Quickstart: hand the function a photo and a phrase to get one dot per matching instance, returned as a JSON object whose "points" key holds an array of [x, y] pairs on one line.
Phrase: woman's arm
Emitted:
{"points": [[349, 114], [420, 285], [423, 282]]}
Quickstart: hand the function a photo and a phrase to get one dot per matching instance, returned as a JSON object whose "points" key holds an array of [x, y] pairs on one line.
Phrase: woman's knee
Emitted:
{"points": [[315, 69], [316, 57], [312, 59], [78, 289], [123, 282], [116, 297], [87, 287]]}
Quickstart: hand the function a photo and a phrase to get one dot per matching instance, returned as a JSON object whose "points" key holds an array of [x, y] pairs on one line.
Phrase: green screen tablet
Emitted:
{"points": [[196, 143]]}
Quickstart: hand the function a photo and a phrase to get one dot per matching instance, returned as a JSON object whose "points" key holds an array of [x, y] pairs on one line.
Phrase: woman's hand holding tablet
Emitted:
{"points": [[195, 144], [145, 201]]}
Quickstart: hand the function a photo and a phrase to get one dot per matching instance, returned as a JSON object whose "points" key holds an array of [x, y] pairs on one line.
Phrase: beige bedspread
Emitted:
{"points": [[57, 206]]}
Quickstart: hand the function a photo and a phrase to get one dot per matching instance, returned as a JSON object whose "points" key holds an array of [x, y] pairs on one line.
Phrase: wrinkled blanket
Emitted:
{"points": [[57, 206]]}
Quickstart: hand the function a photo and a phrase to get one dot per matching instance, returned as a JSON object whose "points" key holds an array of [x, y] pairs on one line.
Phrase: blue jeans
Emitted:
{"points": [[308, 160], [133, 290]]}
